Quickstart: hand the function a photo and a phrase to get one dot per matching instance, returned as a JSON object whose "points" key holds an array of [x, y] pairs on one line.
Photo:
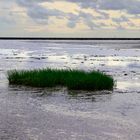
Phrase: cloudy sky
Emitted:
{"points": [[70, 18]]}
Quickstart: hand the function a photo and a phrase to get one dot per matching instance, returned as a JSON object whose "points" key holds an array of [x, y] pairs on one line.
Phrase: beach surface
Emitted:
{"points": [[58, 114]]}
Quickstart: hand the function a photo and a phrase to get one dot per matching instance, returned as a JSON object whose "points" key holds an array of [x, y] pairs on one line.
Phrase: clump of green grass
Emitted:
{"points": [[72, 79]]}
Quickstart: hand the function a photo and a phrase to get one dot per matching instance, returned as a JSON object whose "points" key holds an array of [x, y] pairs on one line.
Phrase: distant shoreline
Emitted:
{"points": [[53, 38]]}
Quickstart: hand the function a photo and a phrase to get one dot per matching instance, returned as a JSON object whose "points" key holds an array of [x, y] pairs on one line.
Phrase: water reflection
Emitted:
{"points": [[58, 93], [93, 96]]}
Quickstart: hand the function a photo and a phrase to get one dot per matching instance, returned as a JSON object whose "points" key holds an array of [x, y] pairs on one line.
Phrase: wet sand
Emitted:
{"points": [[53, 114]]}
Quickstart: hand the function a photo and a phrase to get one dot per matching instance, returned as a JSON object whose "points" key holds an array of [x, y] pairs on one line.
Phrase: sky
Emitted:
{"points": [[70, 18]]}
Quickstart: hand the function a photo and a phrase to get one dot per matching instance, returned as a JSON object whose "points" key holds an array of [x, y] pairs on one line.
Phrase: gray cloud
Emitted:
{"points": [[87, 18], [38, 13], [73, 19], [130, 6], [120, 19], [29, 3], [41, 14]]}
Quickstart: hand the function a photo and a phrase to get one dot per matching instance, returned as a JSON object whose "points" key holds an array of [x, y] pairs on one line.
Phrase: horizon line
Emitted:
{"points": [[64, 38]]}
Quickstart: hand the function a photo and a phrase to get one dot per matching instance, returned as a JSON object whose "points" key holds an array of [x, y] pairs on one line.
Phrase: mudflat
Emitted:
{"points": [[52, 113]]}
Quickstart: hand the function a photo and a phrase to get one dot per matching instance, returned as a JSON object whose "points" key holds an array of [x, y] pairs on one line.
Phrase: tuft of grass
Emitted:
{"points": [[72, 79]]}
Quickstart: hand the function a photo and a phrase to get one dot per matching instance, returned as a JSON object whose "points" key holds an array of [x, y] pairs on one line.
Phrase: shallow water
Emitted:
{"points": [[40, 114]]}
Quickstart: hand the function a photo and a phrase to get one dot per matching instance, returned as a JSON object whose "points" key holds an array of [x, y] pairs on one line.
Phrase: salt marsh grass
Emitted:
{"points": [[72, 79]]}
